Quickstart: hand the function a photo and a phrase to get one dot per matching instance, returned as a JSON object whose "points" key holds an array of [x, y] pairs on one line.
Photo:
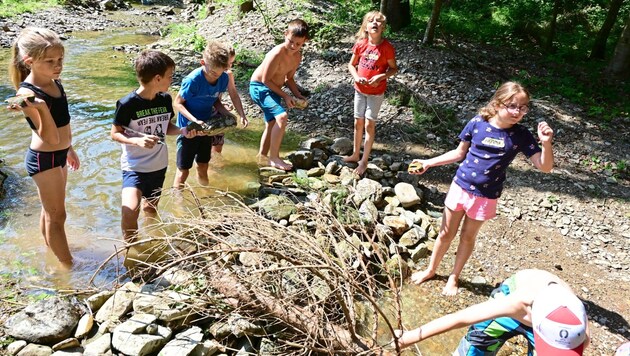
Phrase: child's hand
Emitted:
{"points": [[188, 133], [375, 80], [73, 160], [22, 102], [362, 80], [417, 167], [289, 101], [244, 121], [147, 141], [545, 133]]}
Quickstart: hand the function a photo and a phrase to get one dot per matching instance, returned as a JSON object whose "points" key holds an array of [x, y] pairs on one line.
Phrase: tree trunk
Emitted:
{"points": [[246, 6], [398, 13], [429, 33], [599, 47], [620, 63], [551, 33]]}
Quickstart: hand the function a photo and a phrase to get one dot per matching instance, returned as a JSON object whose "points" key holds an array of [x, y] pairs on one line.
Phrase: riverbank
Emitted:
{"points": [[573, 222]]}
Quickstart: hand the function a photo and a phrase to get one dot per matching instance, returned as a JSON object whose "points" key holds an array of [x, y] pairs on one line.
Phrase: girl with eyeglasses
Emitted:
{"points": [[489, 143]]}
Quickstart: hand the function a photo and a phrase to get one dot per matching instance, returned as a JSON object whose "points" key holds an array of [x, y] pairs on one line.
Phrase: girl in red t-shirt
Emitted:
{"points": [[373, 61]]}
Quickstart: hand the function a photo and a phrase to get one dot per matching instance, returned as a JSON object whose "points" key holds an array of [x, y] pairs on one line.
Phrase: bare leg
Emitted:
{"points": [[217, 157], [131, 198], [180, 178], [370, 133], [265, 139], [448, 230], [149, 207], [467, 238], [277, 134], [51, 186], [359, 124], [202, 174]]}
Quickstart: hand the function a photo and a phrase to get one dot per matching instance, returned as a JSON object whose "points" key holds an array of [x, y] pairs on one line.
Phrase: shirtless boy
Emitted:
{"points": [[265, 88]]}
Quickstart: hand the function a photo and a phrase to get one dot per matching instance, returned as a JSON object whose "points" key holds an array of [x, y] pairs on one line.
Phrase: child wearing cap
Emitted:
{"points": [[533, 303]]}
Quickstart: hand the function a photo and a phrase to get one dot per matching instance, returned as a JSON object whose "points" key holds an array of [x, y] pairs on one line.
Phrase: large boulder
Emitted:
{"points": [[45, 322]]}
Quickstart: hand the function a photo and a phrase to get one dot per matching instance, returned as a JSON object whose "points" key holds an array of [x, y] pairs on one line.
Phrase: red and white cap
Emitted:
{"points": [[559, 322]]}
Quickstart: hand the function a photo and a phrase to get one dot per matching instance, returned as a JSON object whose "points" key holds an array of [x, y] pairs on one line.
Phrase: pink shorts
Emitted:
{"points": [[477, 208]]}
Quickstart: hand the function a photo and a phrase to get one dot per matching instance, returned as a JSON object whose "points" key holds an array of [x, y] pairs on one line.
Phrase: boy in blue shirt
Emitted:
{"points": [[200, 92], [141, 119]]}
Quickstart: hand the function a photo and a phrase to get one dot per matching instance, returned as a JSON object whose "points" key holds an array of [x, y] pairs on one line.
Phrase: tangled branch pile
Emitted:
{"points": [[301, 285]]}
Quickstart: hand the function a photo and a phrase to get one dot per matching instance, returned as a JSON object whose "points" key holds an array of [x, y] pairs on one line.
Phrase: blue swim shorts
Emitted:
{"points": [[150, 184], [269, 102], [36, 161]]}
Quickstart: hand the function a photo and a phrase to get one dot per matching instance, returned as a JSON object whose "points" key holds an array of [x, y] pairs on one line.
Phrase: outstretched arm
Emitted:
{"points": [[451, 156], [493, 308]]}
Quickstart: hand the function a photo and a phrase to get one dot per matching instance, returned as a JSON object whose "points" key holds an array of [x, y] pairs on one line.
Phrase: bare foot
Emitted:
{"points": [[422, 276], [353, 158], [280, 164], [361, 168], [262, 160], [450, 289]]}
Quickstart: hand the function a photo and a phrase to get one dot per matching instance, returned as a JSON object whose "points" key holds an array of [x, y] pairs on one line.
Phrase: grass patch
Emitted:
{"points": [[246, 62], [12, 8], [184, 35]]}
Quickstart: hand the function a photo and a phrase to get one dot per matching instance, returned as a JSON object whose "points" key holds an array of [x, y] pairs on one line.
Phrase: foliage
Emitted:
{"points": [[184, 35], [523, 26], [10, 8], [247, 61]]}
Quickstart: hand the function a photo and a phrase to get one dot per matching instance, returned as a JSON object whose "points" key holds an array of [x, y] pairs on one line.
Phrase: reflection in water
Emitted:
{"points": [[94, 76]]}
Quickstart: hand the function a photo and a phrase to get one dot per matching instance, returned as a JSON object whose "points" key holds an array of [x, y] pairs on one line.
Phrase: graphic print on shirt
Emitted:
{"points": [[368, 59], [151, 121]]}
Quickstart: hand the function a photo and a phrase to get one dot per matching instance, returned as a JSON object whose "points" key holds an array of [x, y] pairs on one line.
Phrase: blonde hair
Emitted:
{"points": [[216, 54], [31, 42], [503, 94], [362, 33]]}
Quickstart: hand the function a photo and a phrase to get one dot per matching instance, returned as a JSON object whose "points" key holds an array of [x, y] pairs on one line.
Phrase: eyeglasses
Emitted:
{"points": [[513, 107]]}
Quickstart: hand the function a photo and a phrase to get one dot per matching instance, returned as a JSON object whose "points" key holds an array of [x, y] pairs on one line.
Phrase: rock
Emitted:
{"points": [[241, 326], [368, 189], [100, 346], [16, 346], [118, 304], [398, 224], [320, 142], [96, 301], [276, 207], [397, 267], [301, 159], [342, 146], [85, 325], [412, 237], [407, 195], [129, 339], [368, 212], [184, 343], [35, 350], [45, 322], [66, 344]]}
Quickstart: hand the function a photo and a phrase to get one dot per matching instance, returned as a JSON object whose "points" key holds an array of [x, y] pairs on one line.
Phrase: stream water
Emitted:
{"points": [[95, 76]]}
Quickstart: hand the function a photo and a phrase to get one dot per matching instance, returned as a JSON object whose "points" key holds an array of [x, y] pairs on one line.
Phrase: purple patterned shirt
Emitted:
{"points": [[492, 149]]}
